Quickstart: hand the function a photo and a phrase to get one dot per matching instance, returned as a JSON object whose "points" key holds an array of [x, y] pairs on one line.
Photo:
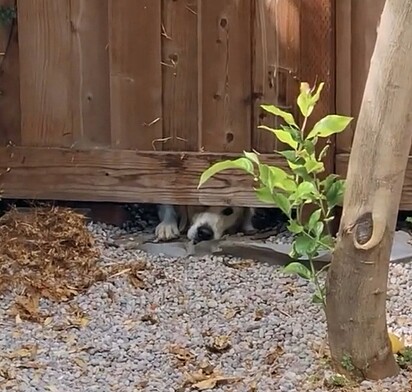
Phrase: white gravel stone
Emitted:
{"points": [[272, 325]]}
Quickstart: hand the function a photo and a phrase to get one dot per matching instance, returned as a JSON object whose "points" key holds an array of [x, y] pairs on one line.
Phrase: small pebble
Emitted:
{"points": [[190, 305]]}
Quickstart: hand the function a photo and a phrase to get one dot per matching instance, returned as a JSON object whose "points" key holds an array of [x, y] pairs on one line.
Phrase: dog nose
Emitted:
{"points": [[204, 233]]}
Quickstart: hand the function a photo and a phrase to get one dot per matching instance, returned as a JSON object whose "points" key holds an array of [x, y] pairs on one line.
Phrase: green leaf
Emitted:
{"points": [[408, 219], [264, 174], [294, 132], [309, 146], [283, 136], [278, 112], [305, 189], [290, 155], [317, 298], [314, 219], [329, 125], [275, 177], [305, 246], [328, 240], [240, 163], [328, 181], [278, 178], [304, 100], [318, 229], [316, 96], [264, 194], [300, 171], [252, 156], [268, 175], [314, 166], [296, 268], [294, 227], [283, 203], [335, 193]]}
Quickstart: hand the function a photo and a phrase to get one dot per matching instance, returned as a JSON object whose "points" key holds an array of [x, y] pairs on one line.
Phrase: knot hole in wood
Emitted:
{"points": [[364, 228]]}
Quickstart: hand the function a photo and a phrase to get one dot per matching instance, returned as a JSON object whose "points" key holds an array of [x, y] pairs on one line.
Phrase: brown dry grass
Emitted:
{"points": [[49, 252]]}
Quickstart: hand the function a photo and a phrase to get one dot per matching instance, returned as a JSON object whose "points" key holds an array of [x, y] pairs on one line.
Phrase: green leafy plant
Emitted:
{"points": [[336, 381], [347, 364], [404, 358], [292, 189]]}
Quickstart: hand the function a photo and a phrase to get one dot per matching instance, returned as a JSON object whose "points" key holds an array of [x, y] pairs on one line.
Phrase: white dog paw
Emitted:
{"points": [[249, 229], [167, 231]]}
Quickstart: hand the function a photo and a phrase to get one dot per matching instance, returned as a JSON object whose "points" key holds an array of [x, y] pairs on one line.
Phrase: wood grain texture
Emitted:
{"points": [[90, 94], [317, 62], [180, 75], [225, 75], [275, 59], [135, 73], [10, 127], [356, 24], [344, 36], [122, 176], [342, 161], [45, 72]]}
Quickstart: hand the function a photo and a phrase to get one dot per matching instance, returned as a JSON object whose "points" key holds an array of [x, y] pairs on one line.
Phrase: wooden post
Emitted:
{"points": [[357, 280]]}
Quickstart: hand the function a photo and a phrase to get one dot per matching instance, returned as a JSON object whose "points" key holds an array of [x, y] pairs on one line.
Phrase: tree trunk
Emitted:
{"points": [[357, 279]]}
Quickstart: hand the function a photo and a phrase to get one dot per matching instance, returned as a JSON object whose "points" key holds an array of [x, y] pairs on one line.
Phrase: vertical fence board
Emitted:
{"points": [[317, 61], [135, 73], [354, 20], [10, 128], [344, 71], [226, 75], [275, 51], [180, 75], [91, 94], [45, 70]]}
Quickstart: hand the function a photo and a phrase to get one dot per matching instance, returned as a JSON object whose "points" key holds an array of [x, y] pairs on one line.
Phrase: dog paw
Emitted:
{"points": [[167, 231], [249, 229]]}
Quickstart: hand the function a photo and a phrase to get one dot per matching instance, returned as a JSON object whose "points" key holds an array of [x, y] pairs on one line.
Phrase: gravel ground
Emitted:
{"points": [[214, 315]]}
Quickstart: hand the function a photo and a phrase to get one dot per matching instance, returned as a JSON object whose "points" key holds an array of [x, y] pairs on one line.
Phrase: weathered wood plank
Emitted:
{"points": [[122, 176], [226, 75], [10, 116], [357, 23], [342, 161], [343, 18], [135, 73], [90, 59], [276, 55], [180, 75], [45, 72], [317, 59]]}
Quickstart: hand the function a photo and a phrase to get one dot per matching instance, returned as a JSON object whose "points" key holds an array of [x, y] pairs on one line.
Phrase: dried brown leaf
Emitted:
{"points": [[273, 355], [206, 367], [80, 362], [219, 344], [231, 313], [213, 382], [259, 313], [28, 351], [240, 264], [150, 318], [181, 353]]}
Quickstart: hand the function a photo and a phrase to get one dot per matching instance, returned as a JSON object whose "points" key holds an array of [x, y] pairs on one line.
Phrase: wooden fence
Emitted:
{"points": [[356, 29], [130, 100]]}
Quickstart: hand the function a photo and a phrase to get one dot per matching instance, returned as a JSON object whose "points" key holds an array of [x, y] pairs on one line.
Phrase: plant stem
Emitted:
{"points": [[316, 281]]}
